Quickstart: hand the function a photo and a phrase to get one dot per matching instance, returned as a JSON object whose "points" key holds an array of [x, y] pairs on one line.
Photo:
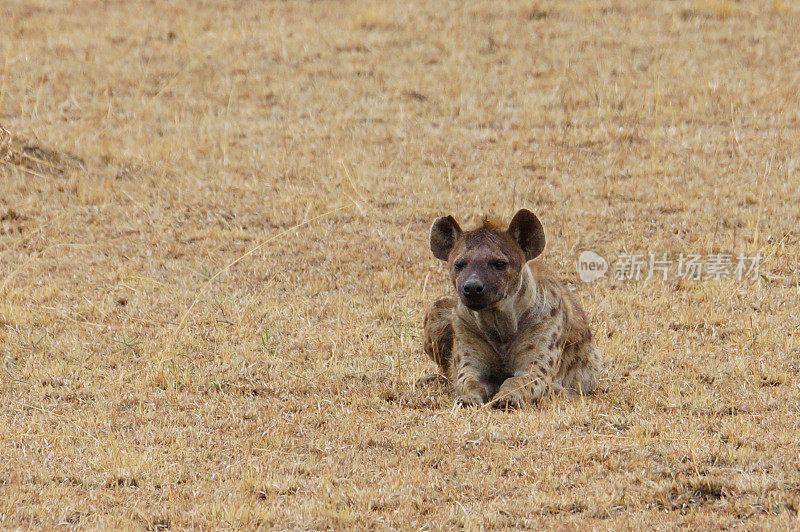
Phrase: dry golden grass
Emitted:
{"points": [[147, 380]]}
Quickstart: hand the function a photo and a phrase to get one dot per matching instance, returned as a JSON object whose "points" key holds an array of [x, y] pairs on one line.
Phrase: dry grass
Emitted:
{"points": [[148, 146]]}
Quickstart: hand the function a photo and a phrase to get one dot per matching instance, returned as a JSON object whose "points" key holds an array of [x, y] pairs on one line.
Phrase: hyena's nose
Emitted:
{"points": [[472, 288]]}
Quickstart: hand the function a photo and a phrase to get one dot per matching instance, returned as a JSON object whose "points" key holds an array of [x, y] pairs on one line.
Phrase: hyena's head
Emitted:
{"points": [[486, 263]]}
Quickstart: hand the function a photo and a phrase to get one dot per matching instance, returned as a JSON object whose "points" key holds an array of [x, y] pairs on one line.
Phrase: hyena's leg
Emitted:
{"points": [[580, 366], [438, 335], [471, 369], [535, 357]]}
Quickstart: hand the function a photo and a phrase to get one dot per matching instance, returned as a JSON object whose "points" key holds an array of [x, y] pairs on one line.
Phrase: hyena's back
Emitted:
{"points": [[438, 332]]}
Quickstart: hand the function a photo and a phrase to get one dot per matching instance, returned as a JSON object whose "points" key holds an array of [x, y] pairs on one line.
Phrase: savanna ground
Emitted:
{"points": [[214, 260]]}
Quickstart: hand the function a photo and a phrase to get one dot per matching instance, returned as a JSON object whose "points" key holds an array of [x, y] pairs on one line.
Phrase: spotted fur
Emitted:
{"points": [[532, 337]]}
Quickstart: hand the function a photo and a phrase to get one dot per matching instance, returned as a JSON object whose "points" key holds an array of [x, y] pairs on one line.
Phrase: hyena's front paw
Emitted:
{"points": [[511, 395], [509, 402], [470, 399], [471, 394]]}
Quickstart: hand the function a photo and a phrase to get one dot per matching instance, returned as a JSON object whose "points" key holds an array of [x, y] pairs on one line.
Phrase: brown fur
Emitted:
{"points": [[526, 334]]}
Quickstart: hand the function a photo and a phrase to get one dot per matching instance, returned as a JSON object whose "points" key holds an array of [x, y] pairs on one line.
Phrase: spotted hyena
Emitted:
{"points": [[514, 332]]}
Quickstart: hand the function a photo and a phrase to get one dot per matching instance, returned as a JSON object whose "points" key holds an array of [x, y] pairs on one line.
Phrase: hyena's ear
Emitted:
{"points": [[526, 229], [444, 233]]}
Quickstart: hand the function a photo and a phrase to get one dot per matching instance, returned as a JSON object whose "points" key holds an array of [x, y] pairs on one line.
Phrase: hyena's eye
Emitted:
{"points": [[459, 265], [499, 265]]}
